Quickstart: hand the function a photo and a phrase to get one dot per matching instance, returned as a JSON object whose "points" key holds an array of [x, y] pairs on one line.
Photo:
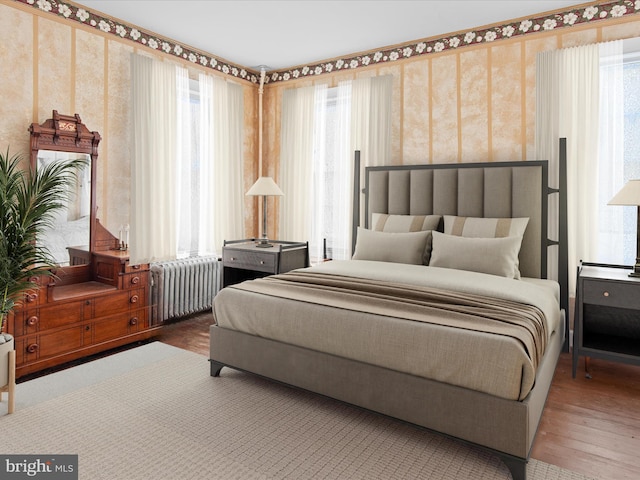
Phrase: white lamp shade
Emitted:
{"points": [[265, 186], [629, 195]]}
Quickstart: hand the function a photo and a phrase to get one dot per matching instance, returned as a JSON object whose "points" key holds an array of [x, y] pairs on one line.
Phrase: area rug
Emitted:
{"points": [[165, 417]]}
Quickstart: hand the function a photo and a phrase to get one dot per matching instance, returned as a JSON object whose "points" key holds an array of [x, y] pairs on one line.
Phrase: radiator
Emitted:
{"points": [[182, 287]]}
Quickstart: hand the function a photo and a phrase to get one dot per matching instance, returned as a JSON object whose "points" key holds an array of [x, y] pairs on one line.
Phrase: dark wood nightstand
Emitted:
{"points": [[607, 322], [243, 260]]}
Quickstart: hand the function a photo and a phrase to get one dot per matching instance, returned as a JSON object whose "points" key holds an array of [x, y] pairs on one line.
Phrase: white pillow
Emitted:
{"points": [[391, 247], [496, 256]]}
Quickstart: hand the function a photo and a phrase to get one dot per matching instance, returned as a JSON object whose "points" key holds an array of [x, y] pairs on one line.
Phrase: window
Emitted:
{"points": [[617, 225], [331, 215], [188, 185], [321, 129], [631, 94]]}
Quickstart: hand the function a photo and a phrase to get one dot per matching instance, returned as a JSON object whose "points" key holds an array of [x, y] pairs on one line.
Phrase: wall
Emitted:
{"points": [[49, 63], [473, 103]]}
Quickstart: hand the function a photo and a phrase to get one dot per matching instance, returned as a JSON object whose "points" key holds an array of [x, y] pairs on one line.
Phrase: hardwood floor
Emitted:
{"points": [[590, 426]]}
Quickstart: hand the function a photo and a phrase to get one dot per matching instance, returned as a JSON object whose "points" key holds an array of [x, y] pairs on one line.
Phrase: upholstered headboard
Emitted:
{"points": [[498, 190]]}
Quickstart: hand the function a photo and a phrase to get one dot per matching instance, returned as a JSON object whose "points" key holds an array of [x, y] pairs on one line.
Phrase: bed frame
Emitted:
{"points": [[506, 428]]}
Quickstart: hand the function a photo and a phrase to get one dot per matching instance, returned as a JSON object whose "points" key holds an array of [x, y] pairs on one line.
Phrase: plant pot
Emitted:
{"points": [[5, 348]]}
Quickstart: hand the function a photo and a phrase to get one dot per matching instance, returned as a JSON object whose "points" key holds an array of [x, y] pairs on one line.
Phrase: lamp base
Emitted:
{"points": [[264, 243]]}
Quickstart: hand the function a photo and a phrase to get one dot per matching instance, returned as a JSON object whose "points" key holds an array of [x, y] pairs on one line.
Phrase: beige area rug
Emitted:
{"points": [[169, 419]]}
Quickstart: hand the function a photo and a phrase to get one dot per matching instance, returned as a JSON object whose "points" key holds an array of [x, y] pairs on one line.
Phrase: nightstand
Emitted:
{"points": [[607, 321], [243, 260]]}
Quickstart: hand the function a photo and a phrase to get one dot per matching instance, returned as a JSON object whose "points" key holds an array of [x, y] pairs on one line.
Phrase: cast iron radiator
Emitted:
{"points": [[185, 286]]}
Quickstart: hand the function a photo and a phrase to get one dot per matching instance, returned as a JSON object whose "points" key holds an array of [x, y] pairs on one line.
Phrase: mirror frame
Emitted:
{"points": [[66, 133]]}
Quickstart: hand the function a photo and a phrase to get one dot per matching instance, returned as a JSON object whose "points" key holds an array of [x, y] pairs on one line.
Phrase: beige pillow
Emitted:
{"points": [[391, 247], [496, 256], [384, 222], [485, 227]]}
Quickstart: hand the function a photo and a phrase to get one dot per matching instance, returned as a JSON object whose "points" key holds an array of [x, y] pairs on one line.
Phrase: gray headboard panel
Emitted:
{"points": [[500, 189]]}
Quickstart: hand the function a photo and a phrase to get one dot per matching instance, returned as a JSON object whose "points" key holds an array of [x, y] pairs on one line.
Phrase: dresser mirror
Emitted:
{"points": [[65, 138], [71, 225]]}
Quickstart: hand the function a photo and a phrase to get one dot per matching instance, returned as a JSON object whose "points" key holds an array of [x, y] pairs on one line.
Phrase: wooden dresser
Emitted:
{"points": [[95, 300], [66, 321]]}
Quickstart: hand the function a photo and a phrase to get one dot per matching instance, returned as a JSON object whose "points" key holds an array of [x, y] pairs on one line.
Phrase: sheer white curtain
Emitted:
{"points": [[153, 167], [187, 159], [569, 104], [221, 163], [186, 188], [371, 119], [296, 162]]}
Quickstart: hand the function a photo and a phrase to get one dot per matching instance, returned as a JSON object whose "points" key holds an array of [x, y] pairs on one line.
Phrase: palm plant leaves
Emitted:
{"points": [[28, 203]]}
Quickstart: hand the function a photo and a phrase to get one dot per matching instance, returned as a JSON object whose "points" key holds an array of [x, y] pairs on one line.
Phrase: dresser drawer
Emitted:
{"points": [[258, 261], [44, 318], [135, 280], [39, 347], [115, 303], [612, 294], [143, 267], [119, 325]]}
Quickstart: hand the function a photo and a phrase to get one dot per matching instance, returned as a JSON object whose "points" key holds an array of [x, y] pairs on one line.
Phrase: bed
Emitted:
{"points": [[433, 322]]}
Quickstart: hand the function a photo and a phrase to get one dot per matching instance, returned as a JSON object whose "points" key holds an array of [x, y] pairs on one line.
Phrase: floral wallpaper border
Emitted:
{"points": [[586, 14]]}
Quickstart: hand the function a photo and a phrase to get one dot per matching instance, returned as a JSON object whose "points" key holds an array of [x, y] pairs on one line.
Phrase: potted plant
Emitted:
{"points": [[28, 202]]}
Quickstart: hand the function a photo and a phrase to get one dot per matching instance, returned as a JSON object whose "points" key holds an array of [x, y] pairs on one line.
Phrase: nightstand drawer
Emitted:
{"points": [[611, 294], [261, 262]]}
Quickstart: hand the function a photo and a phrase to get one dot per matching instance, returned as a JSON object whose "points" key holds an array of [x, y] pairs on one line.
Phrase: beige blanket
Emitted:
{"points": [[467, 339]]}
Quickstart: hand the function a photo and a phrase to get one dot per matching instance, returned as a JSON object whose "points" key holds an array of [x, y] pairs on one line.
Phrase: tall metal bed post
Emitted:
{"points": [[356, 200], [563, 236]]}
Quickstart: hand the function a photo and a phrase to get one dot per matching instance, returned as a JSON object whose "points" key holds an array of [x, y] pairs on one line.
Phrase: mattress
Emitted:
{"points": [[461, 349]]}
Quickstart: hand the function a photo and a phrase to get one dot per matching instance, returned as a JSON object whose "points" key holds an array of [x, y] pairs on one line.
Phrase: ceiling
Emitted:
{"points": [[284, 33]]}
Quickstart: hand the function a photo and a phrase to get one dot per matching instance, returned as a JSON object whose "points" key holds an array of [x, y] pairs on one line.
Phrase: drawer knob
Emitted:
{"points": [[32, 348], [133, 321], [31, 297], [32, 321], [134, 299], [261, 262], [135, 280], [606, 294], [233, 259]]}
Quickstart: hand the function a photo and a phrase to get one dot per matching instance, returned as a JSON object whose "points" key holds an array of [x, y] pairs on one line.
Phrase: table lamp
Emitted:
{"points": [[264, 186], [630, 195]]}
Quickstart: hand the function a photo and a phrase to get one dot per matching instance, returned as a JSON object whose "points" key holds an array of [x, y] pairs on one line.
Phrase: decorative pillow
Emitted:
{"points": [[485, 227], [497, 256], [391, 247], [384, 222]]}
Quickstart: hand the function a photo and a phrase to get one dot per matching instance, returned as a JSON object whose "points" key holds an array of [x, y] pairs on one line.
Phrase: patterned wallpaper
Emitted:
{"points": [[590, 13]]}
